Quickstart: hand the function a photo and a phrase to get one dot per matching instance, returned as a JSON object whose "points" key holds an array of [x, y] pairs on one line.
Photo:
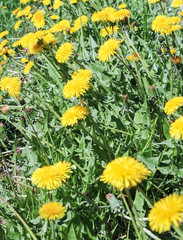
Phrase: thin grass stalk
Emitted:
{"points": [[136, 214], [179, 231], [20, 218], [53, 229], [132, 218], [82, 36], [9, 177], [161, 6]]}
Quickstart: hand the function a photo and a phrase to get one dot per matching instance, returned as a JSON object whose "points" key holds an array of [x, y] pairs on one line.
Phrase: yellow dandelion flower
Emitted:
{"points": [[29, 16], [54, 17], [24, 60], [121, 6], [135, 57], [1, 98], [4, 83], [2, 34], [24, 12], [73, 1], [108, 30], [119, 15], [177, 3], [17, 43], [73, 115], [172, 105], [78, 85], [2, 44], [35, 37], [28, 67], [104, 15], [166, 212], [14, 86], [36, 48], [16, 11], [52, 211], [24, 1], [64, 52], [46, 2], [181, 13], [24, 41], [153, 1], [38, 19], [49, 38], [62, 26], [108, 49], [173, 51], [11, 52], [124, 172], [57, 4], [51, 177], [17, 24], [77, 25], [165, 25], [176, 129]]}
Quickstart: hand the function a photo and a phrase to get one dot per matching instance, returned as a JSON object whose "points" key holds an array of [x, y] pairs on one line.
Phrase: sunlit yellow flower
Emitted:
{"points": [[109, 30], [2, 44], [24, 60], [1, 98], [153, 1], [24, 1], [177, 3], [173, 51], [166, 212], [28, 67], [121, 6], [52, 211], [165, 25], [51, 177], [77, 25], [46, 2], [4, 83], [38, 19], [104, 15], [14, 86], [108, 49], [135, 57], [176, 129], [24, 41], [64, 52], [2, 34], [172, 105], [54, 17], [29, 16], [11, 52], [16, 11], [119, 15], [62, 26], [73, 115], [49, 38], [124, 172], [78, 85], [181, 13], [57, 4], [17, 24], [73, 1], [24, 12]]}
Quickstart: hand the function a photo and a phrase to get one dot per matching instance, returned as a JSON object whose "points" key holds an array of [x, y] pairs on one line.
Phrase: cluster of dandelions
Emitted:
{"points": [[52, 177], [12, 85], [176, 128]]}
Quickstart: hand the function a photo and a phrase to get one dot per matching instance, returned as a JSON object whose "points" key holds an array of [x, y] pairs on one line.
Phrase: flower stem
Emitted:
{"points": [[136, 214], [53, 229], [20, 218], [131, 216], [9, 177], [82, 37]]}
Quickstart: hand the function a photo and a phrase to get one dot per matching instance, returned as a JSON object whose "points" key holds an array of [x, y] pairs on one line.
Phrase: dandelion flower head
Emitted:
{"points": [[172, 105], [64, 52], [38, 19], [17, 24], [62, 26], [3, 43], [73, 115], [14, 86], [78, 85], [153, 1], [24, 1], [57, 4], [28, 66], [51, 177], [108, 30], [177, 3], [46, 2], [121, 6], [104, 15], [2, 34], [77, 25], [166, 212], [52, 211], [176, 128], [4, 83], [108, 49], [124, 172], [135, 57], [16, 11]]}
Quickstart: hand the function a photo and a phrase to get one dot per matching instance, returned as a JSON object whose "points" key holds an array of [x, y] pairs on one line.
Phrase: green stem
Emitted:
{"points": [[162, 7], [82, 37], [178, 231], [143, 193], [131, 216], [171, 83], [53, 229], [136, 214], [81, 194], [20, 218], [9, 177]]}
